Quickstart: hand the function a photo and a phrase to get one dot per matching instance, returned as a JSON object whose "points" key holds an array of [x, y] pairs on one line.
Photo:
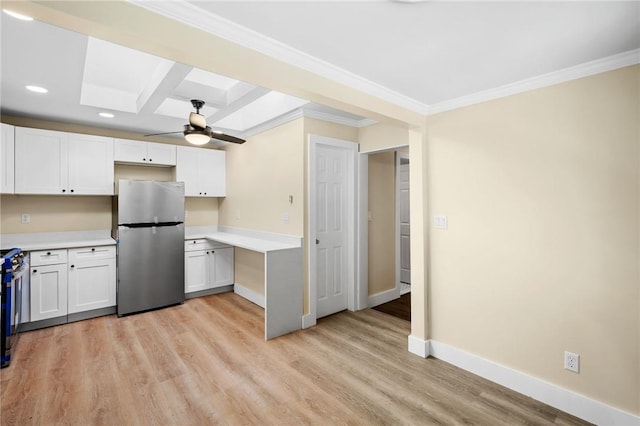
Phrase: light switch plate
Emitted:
{"points": [[440, 222]]}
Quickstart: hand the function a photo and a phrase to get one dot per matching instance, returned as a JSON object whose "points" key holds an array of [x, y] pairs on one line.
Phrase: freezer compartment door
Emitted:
{"points": [[150, 202], [150, 267]]}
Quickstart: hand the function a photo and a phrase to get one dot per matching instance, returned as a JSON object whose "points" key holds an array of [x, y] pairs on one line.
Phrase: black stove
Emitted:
{"points": [[13, 267]]}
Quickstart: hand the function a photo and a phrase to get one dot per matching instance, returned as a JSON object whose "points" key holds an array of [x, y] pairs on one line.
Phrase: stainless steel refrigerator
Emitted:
{"points": [[150, 237]]}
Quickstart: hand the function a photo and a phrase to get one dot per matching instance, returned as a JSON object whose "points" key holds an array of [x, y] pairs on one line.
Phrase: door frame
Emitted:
{"points": [[352, 192], [363, 232], [398, 162]]}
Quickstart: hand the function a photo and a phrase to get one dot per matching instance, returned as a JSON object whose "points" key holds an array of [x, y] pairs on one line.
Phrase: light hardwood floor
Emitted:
{"points": [[205, 362]]}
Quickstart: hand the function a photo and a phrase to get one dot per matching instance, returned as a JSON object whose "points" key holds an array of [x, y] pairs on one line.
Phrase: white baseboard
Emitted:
{"points": [[568, 401], [418, 346], [249, 294], [383, 297], [308, 321]]}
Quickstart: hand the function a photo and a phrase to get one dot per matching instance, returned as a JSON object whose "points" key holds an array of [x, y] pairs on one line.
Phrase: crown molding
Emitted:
{"points": [[586, 69], [300, 113], [324, 116], [189, 14], [278, 121]]}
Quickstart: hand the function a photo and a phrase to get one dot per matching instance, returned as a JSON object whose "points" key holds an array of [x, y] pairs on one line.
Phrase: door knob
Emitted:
{"points": [[317, 241]]}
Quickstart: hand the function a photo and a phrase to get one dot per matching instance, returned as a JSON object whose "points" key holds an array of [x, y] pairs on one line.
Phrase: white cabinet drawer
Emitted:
{"points": [[91, 253], [48, 257], [202, 244]]}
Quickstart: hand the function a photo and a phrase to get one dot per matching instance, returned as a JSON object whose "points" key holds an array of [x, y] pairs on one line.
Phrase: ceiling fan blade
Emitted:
{"points": [[197, 121], [165, 133], [226, 138]]}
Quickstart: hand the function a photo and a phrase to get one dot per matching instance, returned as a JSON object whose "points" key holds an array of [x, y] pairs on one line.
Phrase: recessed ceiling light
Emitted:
{"points": [[37, 89], [17, 15], [106, 114]]}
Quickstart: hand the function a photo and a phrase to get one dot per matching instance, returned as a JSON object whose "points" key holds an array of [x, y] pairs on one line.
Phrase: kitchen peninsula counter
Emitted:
{"points": [[283, 275]]}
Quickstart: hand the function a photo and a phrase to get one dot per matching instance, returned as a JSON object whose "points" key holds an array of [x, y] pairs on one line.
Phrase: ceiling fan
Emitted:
{"points": [[197, 132]]}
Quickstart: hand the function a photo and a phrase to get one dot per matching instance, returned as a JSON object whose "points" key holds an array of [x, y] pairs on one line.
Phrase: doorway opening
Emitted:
{"points": [[385, 267]]}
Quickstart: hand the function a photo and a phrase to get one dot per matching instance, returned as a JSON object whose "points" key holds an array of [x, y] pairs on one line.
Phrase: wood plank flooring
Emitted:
{"points": [[205, 362], [400, 307]]}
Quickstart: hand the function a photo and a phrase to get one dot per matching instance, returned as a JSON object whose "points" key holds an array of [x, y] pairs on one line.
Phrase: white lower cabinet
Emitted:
{"points": [[92, 278], [70, 281], [207, 265], [196, 271], [223, 261], [48, 291]]}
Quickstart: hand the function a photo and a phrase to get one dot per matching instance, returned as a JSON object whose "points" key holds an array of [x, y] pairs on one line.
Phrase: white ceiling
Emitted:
{"points": [[146, 94], [436, 51], [422, 54]]}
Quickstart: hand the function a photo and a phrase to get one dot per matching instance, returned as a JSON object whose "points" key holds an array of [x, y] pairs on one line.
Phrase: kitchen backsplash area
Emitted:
{"points": [[53, 213]]}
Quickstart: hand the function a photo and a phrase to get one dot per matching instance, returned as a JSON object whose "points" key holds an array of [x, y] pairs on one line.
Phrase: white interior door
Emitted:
{"points": [[331, 230], [404, 225]]}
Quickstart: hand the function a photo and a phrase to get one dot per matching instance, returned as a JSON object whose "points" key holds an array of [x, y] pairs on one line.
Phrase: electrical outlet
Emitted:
{"points": [[440, 222], [25, 218], [285, 218], [572, 362]]}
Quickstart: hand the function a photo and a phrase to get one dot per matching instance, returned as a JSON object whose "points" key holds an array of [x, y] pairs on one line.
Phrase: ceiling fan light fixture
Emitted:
{"points": [[196, 137]]}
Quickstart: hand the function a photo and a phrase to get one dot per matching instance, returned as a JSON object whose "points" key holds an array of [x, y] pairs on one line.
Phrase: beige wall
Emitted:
{"points": [[382, 136], [541, 190], [249, 269], [261, 175], [265, 170], [54, 213], [382, 227], [313, 126]]}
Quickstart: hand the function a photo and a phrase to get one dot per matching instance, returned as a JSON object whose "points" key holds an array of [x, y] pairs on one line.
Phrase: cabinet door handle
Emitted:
{"points": [[73, 266], [48, 253], [150, 159], [207, 252], [144, 159], [34, 271], [64, 190], [72, 190], [93, 249]]}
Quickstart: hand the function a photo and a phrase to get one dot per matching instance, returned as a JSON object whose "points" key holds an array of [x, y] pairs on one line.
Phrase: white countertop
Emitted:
{"points": [[249, 243], [262, 242], [56, 240]]}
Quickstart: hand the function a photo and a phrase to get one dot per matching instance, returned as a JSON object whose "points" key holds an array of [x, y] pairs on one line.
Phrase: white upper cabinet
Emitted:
{"points": [[7, 155], [90, 164], [202, 171], [41, 161], [50, 162], [149, 153]]}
